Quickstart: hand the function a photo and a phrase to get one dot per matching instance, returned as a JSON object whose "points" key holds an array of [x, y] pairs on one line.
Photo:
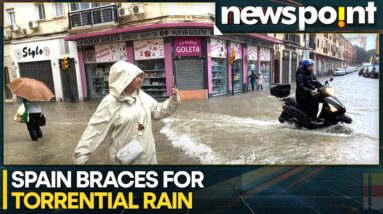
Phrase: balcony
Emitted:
{"points": [[94, 16], [292, 38]]}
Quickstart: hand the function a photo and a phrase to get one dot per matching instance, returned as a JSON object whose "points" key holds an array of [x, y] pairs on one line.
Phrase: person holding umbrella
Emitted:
{"points": [[35, 118], [30, 93]]}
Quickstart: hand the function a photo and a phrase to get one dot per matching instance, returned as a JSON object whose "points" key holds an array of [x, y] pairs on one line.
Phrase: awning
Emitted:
{"points": [[116, 31]]}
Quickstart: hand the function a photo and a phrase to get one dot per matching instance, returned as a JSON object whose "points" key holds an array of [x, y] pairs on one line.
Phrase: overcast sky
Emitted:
{"points": [[371, 38]]}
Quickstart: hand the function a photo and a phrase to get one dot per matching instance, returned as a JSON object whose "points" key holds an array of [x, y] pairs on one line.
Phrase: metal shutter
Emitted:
{"points": [[285, 70], [189, 74], [41, 70]]}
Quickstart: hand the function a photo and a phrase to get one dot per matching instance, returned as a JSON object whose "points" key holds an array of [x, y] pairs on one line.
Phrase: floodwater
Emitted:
{"points": [[240, 129]]}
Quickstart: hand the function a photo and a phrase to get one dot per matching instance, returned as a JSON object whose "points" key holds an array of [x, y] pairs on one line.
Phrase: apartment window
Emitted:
{"points": [[100, 4], [79, 6], [40, 10], [11, 17], [58, 9], [86, 5]]}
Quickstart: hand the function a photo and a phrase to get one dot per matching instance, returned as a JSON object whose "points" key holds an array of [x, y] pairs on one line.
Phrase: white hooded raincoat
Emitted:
{"points": [[118, 116]]}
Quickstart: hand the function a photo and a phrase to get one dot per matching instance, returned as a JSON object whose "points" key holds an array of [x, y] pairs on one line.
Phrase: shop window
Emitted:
{"points": [[154, 80], [40, 10], [98, 77], [219, 66], [219, 76], [237, 75], [265, 61], [237, 67], [149, 56]]}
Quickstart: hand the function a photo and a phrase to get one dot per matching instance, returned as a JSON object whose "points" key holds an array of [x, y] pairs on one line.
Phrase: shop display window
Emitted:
{"points": [[154, 80], [98, 77], [265, 58], [265, 71], [219, 76], [237, 75]]}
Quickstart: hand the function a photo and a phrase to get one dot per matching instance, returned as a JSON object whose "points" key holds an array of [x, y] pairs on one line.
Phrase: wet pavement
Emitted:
{"points": [[240, 129]]}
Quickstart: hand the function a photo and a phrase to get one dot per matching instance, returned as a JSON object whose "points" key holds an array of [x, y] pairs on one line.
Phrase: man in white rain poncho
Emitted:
{"points": [[125, 115]]}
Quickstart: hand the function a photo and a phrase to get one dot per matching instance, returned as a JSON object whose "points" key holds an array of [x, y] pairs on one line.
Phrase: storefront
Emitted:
{"points": [[150, 57], [162, 51], [265, 65], [218, 53], [40, 60], [192, 58], [189, 69], [98, 60], [252, 61], [236, 70]]}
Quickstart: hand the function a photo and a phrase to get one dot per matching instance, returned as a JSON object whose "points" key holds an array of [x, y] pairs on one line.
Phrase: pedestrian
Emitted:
{"points": [[35, 115], [125, 117], [260, 81], [253, 77]]}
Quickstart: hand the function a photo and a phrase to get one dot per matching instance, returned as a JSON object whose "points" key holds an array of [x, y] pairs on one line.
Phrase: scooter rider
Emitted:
{"points": [[307, 89]]}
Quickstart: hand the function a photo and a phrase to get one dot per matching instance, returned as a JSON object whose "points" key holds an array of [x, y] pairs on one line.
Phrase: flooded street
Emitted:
{"points": [[240, 129]]}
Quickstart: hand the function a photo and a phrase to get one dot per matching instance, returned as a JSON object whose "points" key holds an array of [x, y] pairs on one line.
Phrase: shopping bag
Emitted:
{"points": [[22, 115]]}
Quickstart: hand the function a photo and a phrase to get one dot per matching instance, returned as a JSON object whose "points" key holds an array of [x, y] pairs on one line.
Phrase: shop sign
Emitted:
{"points": [[35, 52], [264, 54], [252, 52], [110, 52], [237, 47], [144, 35], [218, 48], [187, 46], [149, 49]]}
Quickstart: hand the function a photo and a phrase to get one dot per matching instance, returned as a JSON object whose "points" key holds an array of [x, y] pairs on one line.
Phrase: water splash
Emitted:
{"points": [[188, 145]]}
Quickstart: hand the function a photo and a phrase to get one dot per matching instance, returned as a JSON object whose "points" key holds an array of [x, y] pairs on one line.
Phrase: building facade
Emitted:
{"points": [[170, 42], [287, 56], [34, 45], [329, 51]]}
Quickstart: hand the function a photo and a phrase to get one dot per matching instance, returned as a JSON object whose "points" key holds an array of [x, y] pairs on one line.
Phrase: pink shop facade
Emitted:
{"points": [[189, 53]]}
